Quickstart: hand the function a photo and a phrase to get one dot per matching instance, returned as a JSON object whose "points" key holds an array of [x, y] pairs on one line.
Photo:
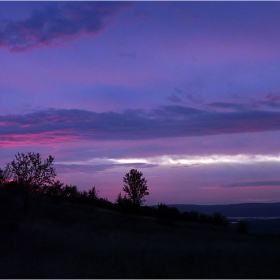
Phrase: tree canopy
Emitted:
{"points": [[135, 186], [31, 171]]}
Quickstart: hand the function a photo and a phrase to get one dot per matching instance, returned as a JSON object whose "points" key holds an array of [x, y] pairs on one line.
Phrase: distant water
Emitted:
{"points": [[251, 218]]}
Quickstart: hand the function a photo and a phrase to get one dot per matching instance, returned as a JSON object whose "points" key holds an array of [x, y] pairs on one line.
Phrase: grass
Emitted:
{"points": [[57, 240]]}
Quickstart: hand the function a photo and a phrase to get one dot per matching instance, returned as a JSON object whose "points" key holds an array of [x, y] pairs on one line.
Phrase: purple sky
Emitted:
{"points": [[186, 92]]}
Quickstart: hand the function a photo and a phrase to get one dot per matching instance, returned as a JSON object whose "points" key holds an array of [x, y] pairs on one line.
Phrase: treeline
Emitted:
{"points": [[167, 215], [124, 205], [70, 193], [28, 174]]}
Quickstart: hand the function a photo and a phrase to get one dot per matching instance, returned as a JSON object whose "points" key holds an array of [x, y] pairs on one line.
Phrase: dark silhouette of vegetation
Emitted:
{"points": [[162, 239], [242, 226], [218, 219], [69, 191], [124, 203], [5, 176], [170, 213], [92, 193], [28, 173], [135, 186], [31, 172], [55, 189]]}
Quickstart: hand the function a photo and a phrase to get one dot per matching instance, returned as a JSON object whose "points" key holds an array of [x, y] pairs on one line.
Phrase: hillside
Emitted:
{"points": [[235, 210], [54, 239]]}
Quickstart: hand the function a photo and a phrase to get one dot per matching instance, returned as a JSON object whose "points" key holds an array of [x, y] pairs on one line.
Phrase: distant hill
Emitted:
{"points": [[234, 210]]}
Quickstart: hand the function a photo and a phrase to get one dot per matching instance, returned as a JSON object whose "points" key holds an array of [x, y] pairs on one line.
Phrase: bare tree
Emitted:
{"points": [[135, 186], [30, 171]]}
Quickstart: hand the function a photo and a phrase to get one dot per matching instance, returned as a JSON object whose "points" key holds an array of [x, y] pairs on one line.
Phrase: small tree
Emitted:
{"points": [[69, 191], [30, 171], [93, 193], [135, 186], [55, 189]]}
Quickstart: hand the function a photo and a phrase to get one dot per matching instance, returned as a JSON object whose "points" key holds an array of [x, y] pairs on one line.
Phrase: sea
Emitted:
{"points": [[236, 219]]}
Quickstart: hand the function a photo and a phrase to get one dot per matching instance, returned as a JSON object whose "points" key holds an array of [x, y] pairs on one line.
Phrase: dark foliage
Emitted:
{"points": [[124, 204], [170, 213], [55, 189], [92, 193], [135, 186], [242, 226], [218, 219], [5, 176], [31, 175], [31, 172]]}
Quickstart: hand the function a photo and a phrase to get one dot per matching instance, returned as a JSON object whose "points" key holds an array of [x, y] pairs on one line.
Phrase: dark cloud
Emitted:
{"points": [[273, 97], [57, 23], [163, 122], [254, 184], [176, 112], [271, 101], [174, 98], [226, 105]]}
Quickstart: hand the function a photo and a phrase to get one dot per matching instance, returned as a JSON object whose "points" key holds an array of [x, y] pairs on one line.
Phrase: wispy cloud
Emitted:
{"points": [[58, 23], [270, 101], [228, 105], [255, 184], [91, 169], [174, 98]]}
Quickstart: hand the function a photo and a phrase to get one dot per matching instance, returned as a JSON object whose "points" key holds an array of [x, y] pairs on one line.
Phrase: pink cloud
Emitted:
{"points": [[134, 125]]}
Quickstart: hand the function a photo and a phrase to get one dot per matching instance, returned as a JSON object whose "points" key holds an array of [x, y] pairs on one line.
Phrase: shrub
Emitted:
{"points": [[218, 219], [124, 204], [170, 213]]}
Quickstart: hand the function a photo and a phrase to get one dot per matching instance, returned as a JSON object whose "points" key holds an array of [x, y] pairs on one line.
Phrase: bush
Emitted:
{"points": [[170, 213], [194, 215], [124, 204], [55, 189], [218, 219], [185, 216], [105, 203]]}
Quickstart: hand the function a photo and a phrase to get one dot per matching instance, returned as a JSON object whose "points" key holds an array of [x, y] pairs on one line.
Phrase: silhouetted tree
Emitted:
{"points": [[170, 213], [194, 216], [5, 176], [69, 191], [218, 219], [135, 186], [93, 193], [122, 199], [124, 203], [55, 189], [31, 172]]}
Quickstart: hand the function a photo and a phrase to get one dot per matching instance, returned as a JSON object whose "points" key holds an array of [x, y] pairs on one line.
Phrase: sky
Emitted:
{"points": [[188, 93]]}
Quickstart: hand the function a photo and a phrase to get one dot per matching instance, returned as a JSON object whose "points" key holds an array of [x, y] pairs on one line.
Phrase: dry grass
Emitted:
{"points": [[56, 240]]}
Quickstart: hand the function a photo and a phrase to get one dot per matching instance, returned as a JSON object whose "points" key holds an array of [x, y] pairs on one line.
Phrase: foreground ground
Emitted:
{"points": [[57, 240]]}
